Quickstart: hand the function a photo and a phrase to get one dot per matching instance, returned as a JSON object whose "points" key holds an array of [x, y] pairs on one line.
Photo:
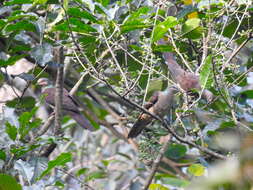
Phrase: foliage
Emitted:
{"points": [[111, 53]]}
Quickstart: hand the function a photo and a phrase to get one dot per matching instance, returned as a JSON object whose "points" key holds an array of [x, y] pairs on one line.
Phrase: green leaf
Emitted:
{"points": [[11, 130], [162, 28], [19, 48], [157, 187], [20, 151], [175, 182], [196, 169], [26, 122], [155, 85], [82, 171], [176, 151], [2, 24], [248, 93], [205, 73], [104, 2], [192, 29], [11, 61], [76, 25], [61, 160], [42, 2], [76, 12], [2, 155], [96, 175], [20, 26], [163, 48], [138, 13], [8, 182], [227, 124], [59, 184], [133, 25], [14, 2], [27, 102]]}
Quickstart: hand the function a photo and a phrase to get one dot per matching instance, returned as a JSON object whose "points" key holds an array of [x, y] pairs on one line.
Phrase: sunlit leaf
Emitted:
{"points": [[154, 186], [8, 182], [133, 25], [11, 130], [96, 175], [196, 169], [61, 160], [76, 12], [205, 73], [175, 182], [14, 2], [192, 29], [162, 28]]}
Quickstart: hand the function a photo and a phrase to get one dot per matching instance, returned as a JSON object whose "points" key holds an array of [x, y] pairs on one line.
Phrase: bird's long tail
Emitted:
{"points": [[139, 125], [81, 120]]}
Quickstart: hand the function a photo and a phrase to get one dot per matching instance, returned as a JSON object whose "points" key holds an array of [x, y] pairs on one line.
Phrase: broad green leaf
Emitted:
{"points": [[19, 48], [8, 182], [162, 28], [157, 187], [40, 1], [196, 169], [59, 184], [11, 61], [133, 25], [192, 29], [76, 25], [27, 102], [11, 130], [96, 175], [61, 160], [2, 24], [76, 12], [176, 151], [163, 48], [27, 123], [14, 2], [205, 73], [2, 155], [138, 13], [248, 93], [176, 182], [155, 85], [227, 124], [16, 17], [20, 26], [82, 171], [104, 2], [20, 151]]}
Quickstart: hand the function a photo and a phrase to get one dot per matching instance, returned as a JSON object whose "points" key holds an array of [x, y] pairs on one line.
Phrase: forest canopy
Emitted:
{"points": [[126, 94]]}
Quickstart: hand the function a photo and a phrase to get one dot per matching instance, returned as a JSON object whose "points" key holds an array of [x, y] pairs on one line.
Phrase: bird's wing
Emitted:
{"points": [[144, 119], [67, 101]]}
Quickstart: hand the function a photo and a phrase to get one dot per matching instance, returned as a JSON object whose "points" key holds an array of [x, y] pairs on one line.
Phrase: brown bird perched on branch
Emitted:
{"points": [[159, 104], [186, 80], [69, 105]]}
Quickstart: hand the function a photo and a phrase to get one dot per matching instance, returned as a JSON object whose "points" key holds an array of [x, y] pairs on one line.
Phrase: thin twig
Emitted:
{"points": [[156, 164]]}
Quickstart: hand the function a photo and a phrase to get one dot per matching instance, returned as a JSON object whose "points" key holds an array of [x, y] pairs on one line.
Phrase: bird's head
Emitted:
{"points": [[43, 82]]}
